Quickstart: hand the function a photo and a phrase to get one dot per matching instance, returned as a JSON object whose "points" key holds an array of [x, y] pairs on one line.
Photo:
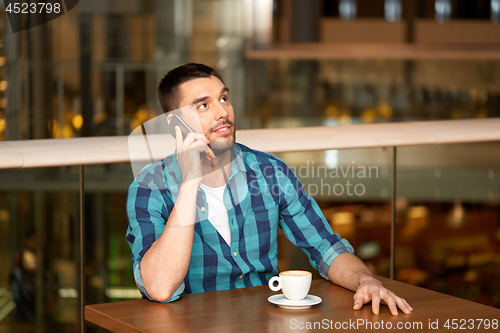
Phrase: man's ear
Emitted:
{"points": [[169, 117]]}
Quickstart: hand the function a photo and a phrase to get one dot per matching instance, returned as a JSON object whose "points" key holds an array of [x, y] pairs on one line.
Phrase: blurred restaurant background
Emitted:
{"points": [[288, 64]]}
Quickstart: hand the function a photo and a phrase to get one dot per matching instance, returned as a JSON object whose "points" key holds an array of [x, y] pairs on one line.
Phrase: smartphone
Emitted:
{"points": [[177, 121]]}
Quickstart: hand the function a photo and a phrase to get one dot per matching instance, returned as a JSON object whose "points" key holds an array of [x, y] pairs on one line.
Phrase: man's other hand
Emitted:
{"points": [[372, 290]]}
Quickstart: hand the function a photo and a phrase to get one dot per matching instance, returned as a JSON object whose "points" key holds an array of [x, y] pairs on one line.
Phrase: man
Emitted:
{"points": [[239, 198]]}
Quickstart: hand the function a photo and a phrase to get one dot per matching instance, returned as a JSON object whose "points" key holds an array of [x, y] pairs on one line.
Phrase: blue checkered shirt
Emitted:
{"points": [[262, 194]]}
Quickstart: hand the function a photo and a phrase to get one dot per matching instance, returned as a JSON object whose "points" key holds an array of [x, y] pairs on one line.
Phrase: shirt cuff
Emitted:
{"points": [[342, 246], [140, 284]]}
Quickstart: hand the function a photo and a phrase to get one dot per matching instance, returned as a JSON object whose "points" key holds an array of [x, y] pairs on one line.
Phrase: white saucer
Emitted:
{"points": [[281, 301]]}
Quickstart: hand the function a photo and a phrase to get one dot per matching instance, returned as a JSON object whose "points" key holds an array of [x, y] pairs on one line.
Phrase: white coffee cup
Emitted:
{"points": [[294, 284]]}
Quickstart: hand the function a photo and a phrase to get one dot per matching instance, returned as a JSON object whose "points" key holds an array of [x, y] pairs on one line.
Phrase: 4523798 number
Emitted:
{"points": [[471, 324], [27, 8]]}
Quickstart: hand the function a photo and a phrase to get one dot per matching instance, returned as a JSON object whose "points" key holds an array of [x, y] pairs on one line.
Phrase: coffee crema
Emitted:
{"points": [[295, 273]]}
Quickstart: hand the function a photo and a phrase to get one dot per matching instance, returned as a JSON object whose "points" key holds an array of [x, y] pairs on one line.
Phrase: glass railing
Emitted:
{"points": [[438, 229]]}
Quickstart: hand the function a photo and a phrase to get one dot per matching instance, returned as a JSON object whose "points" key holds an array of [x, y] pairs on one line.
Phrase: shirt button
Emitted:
{"points": [[202, 209], [235, 254], [241, 277]]}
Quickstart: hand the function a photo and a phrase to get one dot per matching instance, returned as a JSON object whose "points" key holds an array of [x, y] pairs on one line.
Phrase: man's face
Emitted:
{"points": [[215, 113]]}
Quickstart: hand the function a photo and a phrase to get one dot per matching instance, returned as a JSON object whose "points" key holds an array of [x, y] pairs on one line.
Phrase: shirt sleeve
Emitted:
{"points": [[149, 204], [304, 224]]}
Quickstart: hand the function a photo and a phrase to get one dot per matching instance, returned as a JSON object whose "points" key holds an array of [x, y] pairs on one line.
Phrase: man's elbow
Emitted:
{"points": [[161, 297], [161, 293], [162, 290]]}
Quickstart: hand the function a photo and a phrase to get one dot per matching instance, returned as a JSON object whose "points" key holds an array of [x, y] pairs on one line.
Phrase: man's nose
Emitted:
{"points": [[220, 112]]}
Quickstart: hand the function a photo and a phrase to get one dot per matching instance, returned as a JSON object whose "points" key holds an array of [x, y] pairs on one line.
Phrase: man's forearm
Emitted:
{"points": [[349, 271], [166, 263]]}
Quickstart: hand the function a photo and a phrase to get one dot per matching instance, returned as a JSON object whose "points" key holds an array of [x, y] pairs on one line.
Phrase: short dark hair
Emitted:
{"points": [[168, 89]]}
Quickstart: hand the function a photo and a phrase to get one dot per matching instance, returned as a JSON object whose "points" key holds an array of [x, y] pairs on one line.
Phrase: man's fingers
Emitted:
{"points": [[391, 303], [198, 146], [196, 141], [376, 304], [178, 138], [210, 154], [191, 137], [378, 294], [408, 304], [403, 305], [358, 301]]}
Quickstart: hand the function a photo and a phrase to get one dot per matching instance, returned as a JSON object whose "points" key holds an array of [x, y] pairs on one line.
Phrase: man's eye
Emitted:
{"points": [[202, 106], [223, 99]]}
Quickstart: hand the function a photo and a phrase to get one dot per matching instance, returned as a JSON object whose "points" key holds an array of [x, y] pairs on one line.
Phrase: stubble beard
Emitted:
{"points": [[220, 147]]}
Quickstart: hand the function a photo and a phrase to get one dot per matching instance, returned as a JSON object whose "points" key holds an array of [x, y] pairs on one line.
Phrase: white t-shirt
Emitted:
{"points": [[217, 213]]}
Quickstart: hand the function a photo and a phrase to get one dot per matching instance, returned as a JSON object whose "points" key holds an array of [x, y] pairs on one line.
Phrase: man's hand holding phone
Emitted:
{"points": [[188, 154]]}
